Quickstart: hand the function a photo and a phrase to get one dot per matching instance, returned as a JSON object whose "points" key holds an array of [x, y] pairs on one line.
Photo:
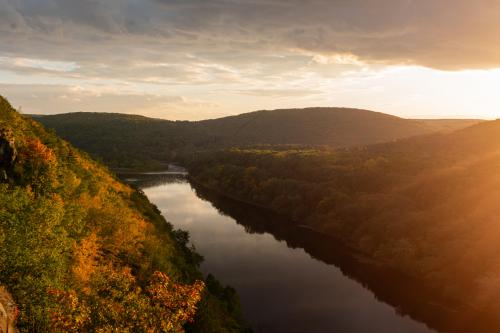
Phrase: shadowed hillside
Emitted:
{"points": [[135, 141], [427, 206], [337, 127]]}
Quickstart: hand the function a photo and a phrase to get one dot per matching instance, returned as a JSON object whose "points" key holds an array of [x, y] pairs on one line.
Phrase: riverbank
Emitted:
{"points": [[410, 295], [162, 167], [289, 279], [407, 293]]}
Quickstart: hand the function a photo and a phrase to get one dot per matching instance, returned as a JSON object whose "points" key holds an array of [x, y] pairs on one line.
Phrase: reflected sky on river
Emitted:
{"points": [[282, 289]]}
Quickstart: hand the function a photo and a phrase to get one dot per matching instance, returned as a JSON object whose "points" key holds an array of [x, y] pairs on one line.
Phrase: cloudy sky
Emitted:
{"points": [[197, 59]]}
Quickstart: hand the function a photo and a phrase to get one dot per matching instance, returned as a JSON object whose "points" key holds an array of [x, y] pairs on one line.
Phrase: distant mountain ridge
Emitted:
{"points": [[337, 127], [130, 140]]}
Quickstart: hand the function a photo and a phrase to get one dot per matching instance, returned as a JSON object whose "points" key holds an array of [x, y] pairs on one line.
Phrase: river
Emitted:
{"points": [[282, 287]]}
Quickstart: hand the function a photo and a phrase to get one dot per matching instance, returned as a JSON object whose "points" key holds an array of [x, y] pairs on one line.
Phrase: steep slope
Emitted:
{"points": [[427, 206], [82, 252], [124, 140]]}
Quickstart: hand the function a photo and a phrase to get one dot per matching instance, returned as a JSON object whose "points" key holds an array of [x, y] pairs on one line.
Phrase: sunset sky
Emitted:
{"points": [[197, 59]]}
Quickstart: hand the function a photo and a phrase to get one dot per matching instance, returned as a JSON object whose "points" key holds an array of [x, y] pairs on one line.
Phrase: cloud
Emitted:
{"points": [[240, 55], [279, 93], [446, 34]]}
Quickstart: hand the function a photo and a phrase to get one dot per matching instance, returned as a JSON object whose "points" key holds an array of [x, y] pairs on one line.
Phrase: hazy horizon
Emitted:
{"points": [[252, 111], [192, 60]]}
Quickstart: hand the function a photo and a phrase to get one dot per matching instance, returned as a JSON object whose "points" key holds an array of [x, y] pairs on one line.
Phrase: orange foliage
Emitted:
{"points": [[117, 303], [177, 302], [37, 165], [85, 258], [74, 313], [86, 201], [36, 150]]}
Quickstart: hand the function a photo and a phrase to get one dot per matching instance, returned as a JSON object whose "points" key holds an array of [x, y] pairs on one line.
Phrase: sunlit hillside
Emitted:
{"points": [[82, 252]]}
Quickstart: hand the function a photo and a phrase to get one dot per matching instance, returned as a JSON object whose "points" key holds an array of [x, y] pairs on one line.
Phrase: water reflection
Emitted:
{"points": [[408, 296], [283, 288]]}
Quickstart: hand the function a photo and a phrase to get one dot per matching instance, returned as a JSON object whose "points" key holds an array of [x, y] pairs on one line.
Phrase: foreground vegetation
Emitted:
{"points": [[82, 252], [139, 142], [427, 206]]}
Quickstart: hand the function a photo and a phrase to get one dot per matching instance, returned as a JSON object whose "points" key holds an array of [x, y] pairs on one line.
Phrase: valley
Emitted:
{"points": [[351, 208], [249, 166]]}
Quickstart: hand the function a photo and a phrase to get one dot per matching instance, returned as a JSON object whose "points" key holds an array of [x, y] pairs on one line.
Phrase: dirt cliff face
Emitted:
{"points": [[8, 312]]}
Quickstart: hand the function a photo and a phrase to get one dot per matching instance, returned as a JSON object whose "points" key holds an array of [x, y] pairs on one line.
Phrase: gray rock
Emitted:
{"points": [[8, 153]]}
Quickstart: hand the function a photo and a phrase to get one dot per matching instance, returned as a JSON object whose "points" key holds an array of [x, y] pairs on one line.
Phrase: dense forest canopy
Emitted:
{"points": [[82, 252], [135, 141], [427, 206], [417, 196]]}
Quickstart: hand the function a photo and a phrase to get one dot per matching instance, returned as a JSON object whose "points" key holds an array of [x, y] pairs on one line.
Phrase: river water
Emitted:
{"points": [[282, 287]]}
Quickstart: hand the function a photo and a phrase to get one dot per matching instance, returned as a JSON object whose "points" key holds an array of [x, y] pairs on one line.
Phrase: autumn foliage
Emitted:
{"points": [[176, 302], [116, 302], [82, 252]]}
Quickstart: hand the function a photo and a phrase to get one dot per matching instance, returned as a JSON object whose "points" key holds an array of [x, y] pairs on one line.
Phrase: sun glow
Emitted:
{"points": [[412, 91]]}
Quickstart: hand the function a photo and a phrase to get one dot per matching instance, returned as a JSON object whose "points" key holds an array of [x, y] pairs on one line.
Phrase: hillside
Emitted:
{"points": [[82, 252], [335, 127], [449, 125], [135, 141], [426, 206]]}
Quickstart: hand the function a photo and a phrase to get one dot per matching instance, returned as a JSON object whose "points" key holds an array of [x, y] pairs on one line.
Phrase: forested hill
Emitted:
{"points": [[427, 206], [82, 252], [335, 127], [125, 140]]}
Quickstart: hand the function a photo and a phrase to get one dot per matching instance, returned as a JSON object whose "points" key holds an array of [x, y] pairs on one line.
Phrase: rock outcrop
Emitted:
{"points": [[8, 154], [8, 312]]}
